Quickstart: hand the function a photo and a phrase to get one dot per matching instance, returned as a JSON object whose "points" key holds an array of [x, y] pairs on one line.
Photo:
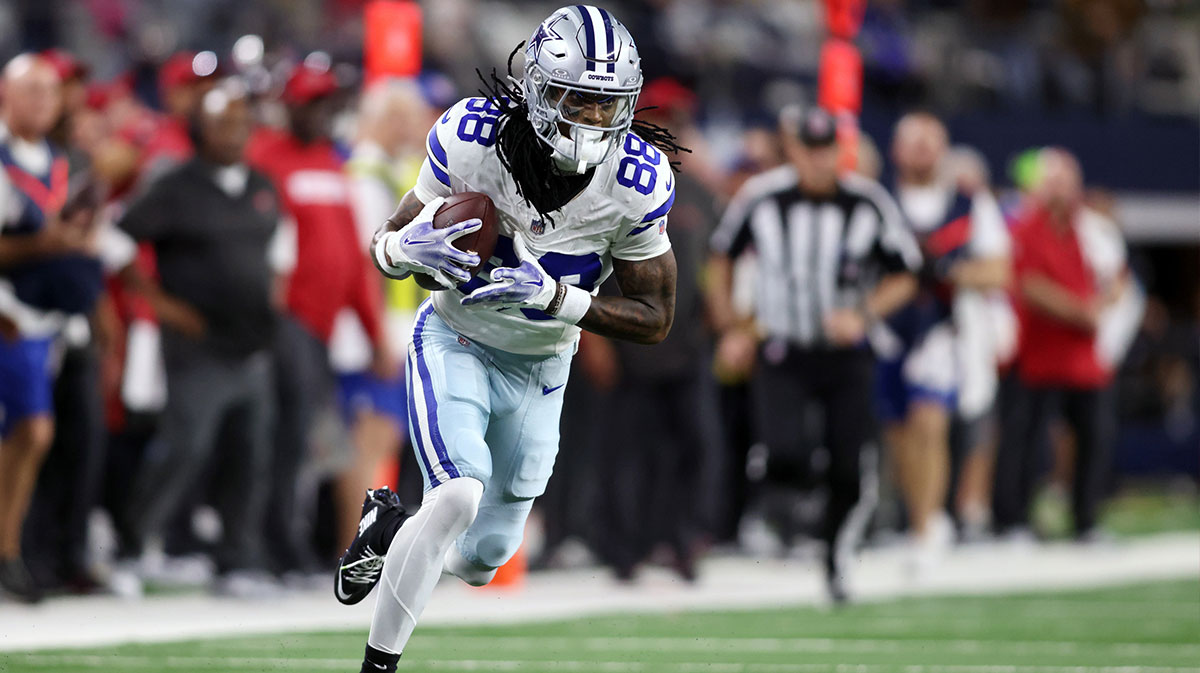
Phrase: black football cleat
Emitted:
{"points": [[362, 563]]}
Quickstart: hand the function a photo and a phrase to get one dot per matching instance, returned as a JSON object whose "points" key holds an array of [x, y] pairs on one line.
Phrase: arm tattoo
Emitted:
{"points": [[410, 206], [646, 308]]}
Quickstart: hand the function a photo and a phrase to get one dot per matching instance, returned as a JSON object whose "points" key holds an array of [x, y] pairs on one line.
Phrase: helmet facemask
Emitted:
{"points": [[582, 125]]}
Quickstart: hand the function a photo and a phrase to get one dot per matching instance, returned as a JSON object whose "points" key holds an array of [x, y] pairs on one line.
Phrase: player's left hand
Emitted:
{"points": [[526, 286]]}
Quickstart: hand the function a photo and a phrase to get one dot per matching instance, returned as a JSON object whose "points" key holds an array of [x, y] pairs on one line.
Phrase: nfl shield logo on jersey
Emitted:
{"points": [[537, 227]]}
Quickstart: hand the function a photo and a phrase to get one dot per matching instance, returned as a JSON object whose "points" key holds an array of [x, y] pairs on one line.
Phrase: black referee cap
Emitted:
{"points": [[817, 128]]}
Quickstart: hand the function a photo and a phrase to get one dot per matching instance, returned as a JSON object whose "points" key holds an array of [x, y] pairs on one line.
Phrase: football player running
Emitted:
{"points": [[582, 191]]}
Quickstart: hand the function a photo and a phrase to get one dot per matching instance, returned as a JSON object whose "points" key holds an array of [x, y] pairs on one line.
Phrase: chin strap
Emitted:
{"points": [[568, 165], [590, 145]]}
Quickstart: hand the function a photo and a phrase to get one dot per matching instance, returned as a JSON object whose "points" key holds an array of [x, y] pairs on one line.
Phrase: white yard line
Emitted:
{"points": [[773, 645], [1064, 609], [726, 583], [273, 663], [814, 645]]}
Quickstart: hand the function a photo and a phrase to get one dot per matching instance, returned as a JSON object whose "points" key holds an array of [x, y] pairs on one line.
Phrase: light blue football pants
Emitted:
{"points": [[475, 411], [484, 425]]}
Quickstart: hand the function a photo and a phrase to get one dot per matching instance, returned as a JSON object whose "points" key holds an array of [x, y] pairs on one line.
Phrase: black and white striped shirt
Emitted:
{"points": [[814, 254]]}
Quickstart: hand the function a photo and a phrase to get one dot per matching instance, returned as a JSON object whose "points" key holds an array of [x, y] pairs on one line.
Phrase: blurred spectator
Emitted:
{"points": [[986, 340], [215, 227], [68, 488], [382, 167], [142, 146], [73, 75], [938, 363], [331, 273], [49, 269], [138, 147], [664, 452], [834, 257], [1070, 267]]}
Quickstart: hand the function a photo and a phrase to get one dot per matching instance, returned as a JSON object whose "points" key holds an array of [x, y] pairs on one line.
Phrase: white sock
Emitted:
{"points": [[414, 560]]}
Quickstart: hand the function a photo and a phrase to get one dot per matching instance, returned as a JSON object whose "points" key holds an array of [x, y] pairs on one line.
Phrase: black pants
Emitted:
{"points": [[55, 532], [839, 383], [734, 409], [572, 497], [661, 450], [217, 409], [304, 382], [1026, 413]]}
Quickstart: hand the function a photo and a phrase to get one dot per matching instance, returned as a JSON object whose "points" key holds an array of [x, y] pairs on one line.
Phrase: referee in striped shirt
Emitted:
{"points": [[833, 256]]}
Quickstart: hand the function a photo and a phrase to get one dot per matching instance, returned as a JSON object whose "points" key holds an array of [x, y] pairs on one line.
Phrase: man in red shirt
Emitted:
{"points": [[1059, 299], [331, 273]]}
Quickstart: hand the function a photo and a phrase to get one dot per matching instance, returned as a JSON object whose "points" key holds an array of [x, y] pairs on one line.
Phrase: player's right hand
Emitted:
{"points": [[420, 248]]}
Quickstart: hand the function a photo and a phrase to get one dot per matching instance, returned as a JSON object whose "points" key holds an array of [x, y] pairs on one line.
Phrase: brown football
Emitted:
{"points": [[466, 206]]}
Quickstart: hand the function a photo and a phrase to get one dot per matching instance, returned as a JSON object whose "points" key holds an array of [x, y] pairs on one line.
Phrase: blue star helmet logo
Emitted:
{"points": [[545, 33]]}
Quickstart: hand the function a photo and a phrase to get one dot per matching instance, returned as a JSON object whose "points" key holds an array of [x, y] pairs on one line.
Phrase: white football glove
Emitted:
{"points": [[526, 286], [419, 248]]}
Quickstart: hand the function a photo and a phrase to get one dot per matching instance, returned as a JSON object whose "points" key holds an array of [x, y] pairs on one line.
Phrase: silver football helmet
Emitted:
{"points": [[582, 79]]}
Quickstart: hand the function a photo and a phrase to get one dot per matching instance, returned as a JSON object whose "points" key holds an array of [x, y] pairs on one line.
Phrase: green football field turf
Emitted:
{"points": [[1147, 627]]}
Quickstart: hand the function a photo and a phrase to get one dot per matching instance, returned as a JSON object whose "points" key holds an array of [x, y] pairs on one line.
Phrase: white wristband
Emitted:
{"points": [[381, 260], [574, 305]]}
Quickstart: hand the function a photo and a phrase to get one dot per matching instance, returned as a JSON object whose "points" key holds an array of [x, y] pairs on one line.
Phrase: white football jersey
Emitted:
{"points": [[621, 214]]}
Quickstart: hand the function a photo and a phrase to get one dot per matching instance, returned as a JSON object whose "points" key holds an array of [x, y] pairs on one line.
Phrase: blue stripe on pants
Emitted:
{"points": [[415, 421], [431, 399]]}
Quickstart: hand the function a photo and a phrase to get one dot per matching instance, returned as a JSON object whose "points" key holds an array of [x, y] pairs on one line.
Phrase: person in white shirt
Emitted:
{"points": [[923, 377]]}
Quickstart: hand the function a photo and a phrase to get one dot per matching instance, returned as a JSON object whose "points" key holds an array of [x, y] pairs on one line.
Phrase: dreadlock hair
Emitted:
{"points": [[529, 160]]}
